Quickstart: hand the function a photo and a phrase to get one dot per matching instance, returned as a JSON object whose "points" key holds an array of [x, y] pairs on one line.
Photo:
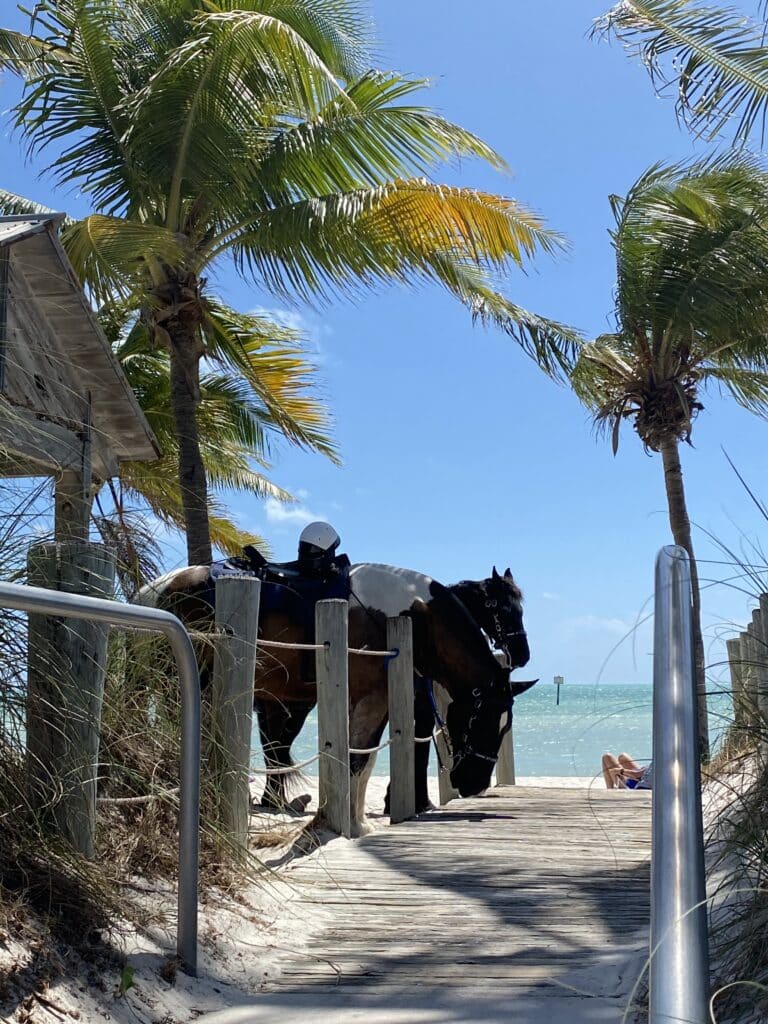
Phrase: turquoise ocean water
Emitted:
{"points": [[564, 740]]}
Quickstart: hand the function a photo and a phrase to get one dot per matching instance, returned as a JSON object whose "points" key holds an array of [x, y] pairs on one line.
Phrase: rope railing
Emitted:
{"points": [[321, 647], [291, 767], [352, 750], [372, 654], [371, 750], [291, 647]]}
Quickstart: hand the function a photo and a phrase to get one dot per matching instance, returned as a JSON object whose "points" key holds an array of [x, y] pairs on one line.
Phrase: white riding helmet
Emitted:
{"points": [[318, 539]]}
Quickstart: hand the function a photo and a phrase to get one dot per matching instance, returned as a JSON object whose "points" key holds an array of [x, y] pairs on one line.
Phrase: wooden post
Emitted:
{"points": [[505, 766], [72, 501], [234, 668], [749, 673], [736, 667], [65, 680], [760, 618], [331, 620], [446, 790], [755, 630], [402, 791]]}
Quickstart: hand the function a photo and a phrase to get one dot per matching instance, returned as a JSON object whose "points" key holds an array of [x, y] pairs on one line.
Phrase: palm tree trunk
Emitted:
{"points": [[681, 532], [185, 377]]}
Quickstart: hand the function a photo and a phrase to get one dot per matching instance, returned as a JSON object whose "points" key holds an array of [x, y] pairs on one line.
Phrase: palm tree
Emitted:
{"points": [[691, 310], [717, 57], [236, 420], [212, 134]]}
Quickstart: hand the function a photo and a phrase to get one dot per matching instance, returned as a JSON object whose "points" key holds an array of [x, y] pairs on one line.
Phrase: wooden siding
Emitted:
{"points": [[56, 358]]}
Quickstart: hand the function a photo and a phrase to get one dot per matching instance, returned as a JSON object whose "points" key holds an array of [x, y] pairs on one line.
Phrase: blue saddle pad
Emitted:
{"points": [[285, 589]]}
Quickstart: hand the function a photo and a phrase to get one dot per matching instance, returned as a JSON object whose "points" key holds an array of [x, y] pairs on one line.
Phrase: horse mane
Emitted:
{"points": [[479, 584]]}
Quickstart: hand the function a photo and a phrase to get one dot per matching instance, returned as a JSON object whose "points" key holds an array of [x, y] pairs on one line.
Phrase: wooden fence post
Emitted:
{"points": [[446, 790], [736, 666], [760, 666], [331, 621], [760, 617], [750, 676], [65, 687], [234, 667], [402, 792], [505, 766]]}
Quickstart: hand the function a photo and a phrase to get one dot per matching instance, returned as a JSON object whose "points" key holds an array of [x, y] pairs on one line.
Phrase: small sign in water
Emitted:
{"points": [[558, 681]]}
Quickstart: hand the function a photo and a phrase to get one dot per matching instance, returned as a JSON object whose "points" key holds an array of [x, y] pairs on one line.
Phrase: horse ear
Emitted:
{"points": [[507, 574], [495, 574]]}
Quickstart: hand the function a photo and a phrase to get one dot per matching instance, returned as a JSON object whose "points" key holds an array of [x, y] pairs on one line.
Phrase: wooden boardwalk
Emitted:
{"points": [[523, 905]]}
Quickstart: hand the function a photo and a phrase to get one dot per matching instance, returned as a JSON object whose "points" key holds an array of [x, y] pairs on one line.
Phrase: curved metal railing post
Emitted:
{"points": [[679, 969], [75, 606]]}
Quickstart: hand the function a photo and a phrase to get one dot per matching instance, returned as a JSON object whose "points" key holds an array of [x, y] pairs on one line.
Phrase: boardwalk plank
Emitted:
{"points": [[540, 893]]}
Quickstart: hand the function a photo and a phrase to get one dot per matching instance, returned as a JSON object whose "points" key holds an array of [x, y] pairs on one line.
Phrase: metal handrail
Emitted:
{"points": [[55, 602], [679, 967]]}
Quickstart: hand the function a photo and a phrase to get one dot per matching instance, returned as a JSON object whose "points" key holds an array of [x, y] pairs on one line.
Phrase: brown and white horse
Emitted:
{"points": [[451, 628]]}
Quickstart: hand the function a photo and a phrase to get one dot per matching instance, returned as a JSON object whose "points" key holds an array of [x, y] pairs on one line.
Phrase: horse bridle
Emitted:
{"points": [[500, 634], [467, 750]]}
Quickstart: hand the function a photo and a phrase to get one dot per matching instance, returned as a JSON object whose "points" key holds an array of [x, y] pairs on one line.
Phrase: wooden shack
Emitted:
{"points": [[66, 411], [66, 408]]}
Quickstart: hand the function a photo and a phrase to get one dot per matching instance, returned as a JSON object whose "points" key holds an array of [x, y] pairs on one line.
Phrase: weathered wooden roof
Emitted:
{"points": [[62, 355]]}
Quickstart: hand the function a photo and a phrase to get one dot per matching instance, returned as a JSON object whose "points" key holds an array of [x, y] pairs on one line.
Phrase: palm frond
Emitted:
{"points": [[553, 346], [154, 484], [691, 301], [235, 65], [13, 205], [76, 102], [273, 367], [167, 508], [234, 426], [365, 138], [716, 57], [339, 31], [692, 253], [403, 231], [231, 539], [748, 386], [113, 255], [28, 56]]}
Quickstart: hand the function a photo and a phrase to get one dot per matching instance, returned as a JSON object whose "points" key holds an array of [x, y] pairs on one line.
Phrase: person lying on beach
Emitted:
{"points": [[623, 773]]}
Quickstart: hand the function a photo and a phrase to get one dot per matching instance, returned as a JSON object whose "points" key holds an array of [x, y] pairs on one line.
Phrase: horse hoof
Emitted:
{"points": [[361, 828], [299, 804]]}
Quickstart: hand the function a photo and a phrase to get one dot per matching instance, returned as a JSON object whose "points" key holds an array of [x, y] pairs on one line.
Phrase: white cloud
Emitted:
{"points": [[279, 513], [596, 624], [306, 324], [550, 597]]}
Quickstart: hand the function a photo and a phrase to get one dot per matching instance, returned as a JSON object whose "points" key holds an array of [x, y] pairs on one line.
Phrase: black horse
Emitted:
{"points": [[450, 647]]}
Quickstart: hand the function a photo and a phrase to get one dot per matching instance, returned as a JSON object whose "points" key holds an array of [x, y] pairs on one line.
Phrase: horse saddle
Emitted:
{"points": [[293, 588]]}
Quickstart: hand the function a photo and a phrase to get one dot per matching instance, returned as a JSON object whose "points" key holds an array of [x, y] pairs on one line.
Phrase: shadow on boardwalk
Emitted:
{"points": [[526, 903]]}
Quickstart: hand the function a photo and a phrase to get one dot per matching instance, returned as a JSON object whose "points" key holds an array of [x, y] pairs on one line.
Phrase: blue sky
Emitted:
{"points": [[458, 452]]}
